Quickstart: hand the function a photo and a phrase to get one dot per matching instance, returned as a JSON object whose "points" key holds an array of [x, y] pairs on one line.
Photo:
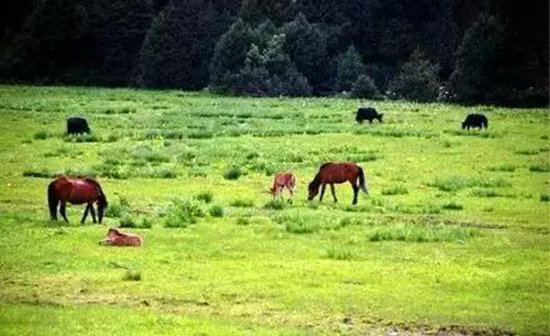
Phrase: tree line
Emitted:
{"points": [[466, 51]]}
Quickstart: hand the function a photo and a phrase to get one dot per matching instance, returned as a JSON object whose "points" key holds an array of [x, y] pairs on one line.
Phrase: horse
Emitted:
{"points": [[475, 120], [330, 173], [281, 181], [76, 191]]}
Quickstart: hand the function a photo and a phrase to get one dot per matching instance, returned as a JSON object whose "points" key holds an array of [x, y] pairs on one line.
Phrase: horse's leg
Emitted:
{"points": [[85, 213], [62, 210], [92, 211], [355, 192], [322, 192], [291, 191], [333, 192]]}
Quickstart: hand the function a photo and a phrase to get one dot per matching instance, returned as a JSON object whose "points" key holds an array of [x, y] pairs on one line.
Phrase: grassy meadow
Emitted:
{"points": [[453, 236]]}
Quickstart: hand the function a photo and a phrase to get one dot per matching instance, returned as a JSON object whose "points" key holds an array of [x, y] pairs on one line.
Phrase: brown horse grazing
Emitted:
{"points": [[76, 191], [281, 181], [330, 173]]}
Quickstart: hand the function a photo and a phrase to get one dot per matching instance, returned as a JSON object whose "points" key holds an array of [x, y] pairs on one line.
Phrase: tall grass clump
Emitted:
{"points": [[132, 275], [216, 210], [118, 207], [242, 203], [338, 253], [545, 197], [182, 213], [298, 223], [540, 168], [421, 233], [205, 196], [276, 204], [452, 206], [232, 173]]}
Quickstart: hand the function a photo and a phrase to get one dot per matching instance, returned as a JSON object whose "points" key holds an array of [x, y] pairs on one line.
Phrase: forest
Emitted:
{"points": [[468, 52]]}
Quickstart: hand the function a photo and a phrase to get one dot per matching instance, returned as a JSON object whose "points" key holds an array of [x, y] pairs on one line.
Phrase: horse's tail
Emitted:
{"points": [[52, 200], [362, 183]]}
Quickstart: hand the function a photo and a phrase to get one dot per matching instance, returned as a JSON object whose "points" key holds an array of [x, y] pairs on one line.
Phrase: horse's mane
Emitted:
{"points": [[324, 165], [102, 197]]}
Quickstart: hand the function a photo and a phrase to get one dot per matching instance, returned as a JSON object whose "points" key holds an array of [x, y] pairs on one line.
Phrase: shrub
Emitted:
{"points": [[232, 173], [544, 197], [127, 222], [417, 80], [182, 213], [243, 220], [205, 196], [364, 87], [216, 211]]}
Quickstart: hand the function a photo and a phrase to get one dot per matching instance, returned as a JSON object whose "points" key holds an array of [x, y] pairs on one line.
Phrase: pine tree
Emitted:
{"points": [[474, 76], [306, 46], [230, 54], [349, 68], [178, 46], [417, 80]]}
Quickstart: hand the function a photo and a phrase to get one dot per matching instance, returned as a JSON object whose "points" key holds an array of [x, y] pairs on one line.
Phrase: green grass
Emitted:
{"points": [[452, 235]]}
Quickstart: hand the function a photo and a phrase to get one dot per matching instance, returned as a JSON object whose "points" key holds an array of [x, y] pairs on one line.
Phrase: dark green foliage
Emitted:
{"points": [[216, 211], [232, 173], [364, 87], [132, 275], [182, 213], [230, 54], [270, 72], [417, 80], [350, 68], [306, 46], [205, 196], [178, 46]]}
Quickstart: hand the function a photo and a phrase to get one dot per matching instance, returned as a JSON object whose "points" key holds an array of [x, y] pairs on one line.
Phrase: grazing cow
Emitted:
{"points": [[281, 181], [368, 113], [475, 120], [77, 125], [118, 238]]}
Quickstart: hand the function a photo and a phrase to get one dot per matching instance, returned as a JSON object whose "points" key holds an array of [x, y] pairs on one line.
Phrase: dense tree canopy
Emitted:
{"points": [[481, 51]]}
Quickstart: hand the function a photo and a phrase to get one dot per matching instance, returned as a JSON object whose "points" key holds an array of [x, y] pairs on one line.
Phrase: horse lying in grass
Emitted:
{"points": [[76, 191], [116, 237], [281, 181], [331, 173]]}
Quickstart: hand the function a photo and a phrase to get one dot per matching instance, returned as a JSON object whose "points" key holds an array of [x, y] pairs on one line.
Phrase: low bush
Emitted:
{"points": [[452, 206]]}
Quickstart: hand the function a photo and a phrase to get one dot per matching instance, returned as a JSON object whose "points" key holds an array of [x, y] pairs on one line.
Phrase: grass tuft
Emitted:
{"points": [[232, 173], [421, 233]]}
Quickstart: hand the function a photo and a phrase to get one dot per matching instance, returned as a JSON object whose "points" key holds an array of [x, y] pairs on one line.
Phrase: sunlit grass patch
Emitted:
{"points": [[456, 183], [421, 233]]}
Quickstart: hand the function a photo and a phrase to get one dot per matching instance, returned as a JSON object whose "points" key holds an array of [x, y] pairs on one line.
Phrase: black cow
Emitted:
{"points": [[77, 125], [475, 120], [367, 113]]}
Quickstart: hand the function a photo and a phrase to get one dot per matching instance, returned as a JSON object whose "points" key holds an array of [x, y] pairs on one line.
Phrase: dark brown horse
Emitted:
{"points": [[330, 173], [76, 191]]}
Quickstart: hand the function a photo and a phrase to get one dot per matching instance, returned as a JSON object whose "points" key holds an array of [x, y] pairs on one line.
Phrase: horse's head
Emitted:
{"points": [[313, 189]]}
